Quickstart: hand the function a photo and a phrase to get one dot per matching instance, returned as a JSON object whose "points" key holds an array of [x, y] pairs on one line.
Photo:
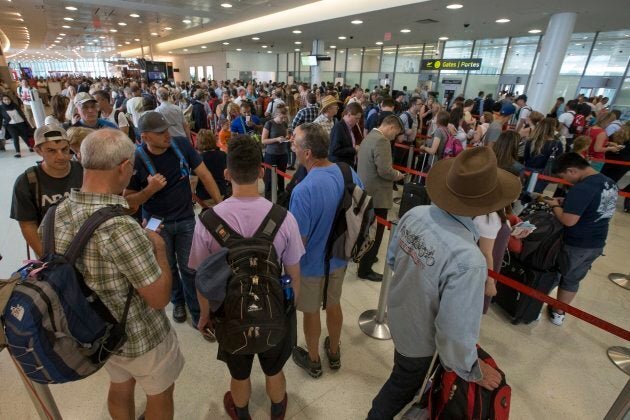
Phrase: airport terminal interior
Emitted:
{"points": [[440, 49]]}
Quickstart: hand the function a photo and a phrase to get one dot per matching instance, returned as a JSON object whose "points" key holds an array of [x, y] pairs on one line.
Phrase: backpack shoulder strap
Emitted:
{"points": [[218, 228], [271, 223], [33, 183], [346, 172], [48, 231], [179, 153], [142, 154], [87, 229]]}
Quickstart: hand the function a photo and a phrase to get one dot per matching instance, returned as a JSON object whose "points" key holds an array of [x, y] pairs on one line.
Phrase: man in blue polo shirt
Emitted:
{"points": [[87, 107], [246, 123], [160, 184]]}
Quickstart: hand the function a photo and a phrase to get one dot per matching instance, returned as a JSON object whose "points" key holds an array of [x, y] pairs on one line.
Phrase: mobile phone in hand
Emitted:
{"points": [[154, 223]]}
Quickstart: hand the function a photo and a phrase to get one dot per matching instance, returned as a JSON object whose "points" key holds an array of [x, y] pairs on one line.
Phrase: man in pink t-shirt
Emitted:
{"points": [[244, 212]]}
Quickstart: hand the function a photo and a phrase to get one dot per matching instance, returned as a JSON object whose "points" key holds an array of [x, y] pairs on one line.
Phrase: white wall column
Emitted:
{"points": [[552, 52], [318, 49]]}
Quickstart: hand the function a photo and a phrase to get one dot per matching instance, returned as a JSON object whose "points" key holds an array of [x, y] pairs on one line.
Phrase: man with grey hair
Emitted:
{"points": [[172, 114], [314, 203], [121, 255]]}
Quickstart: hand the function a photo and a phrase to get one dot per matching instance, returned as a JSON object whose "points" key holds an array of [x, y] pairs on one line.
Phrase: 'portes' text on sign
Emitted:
{"points": [[452, 64]]}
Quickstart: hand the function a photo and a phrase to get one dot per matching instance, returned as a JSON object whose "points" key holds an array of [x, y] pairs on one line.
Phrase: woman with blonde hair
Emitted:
{"points": [[542, 147], [600, 143], [534, 118]]}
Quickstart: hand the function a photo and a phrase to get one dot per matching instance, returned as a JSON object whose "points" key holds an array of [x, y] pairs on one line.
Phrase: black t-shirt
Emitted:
{"points": [[174, 201], [594, 200], [25, 206], [375, 120], [215, 161]]}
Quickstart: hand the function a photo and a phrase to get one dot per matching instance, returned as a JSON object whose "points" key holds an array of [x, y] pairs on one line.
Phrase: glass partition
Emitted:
{"points": [[521, 54], [457, 49], [371, 62], [610, 54], [353, 74], [407, 66], [577, 53]]}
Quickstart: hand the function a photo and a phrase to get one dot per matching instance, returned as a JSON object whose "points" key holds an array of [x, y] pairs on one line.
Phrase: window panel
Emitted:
{"points": [[577, 53], [491, 52], [610, 54], [457, 49]]}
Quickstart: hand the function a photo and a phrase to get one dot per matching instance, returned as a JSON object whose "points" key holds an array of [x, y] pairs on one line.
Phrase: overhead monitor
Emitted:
{"points": [[309, 60]]}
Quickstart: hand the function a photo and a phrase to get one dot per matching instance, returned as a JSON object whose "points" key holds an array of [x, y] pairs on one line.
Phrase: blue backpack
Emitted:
{"points": [[54, 325], [184, 168]]}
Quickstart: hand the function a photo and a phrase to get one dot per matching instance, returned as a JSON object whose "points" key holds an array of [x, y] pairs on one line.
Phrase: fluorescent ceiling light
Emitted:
{"points": [[443, 38], [122, 24], [356, 22], [66, 27], [342, 37], [101, 37], [534, 31], [297, 31], [185, 49], [454, 6], [379, 43], [71, 8], [203, 47], [333, 46], [154, 34], [239, 49], [113, 31], [226, 5], [264, 46], [127, 42], [269, 52], [134, 15], [187, 21], [225, 43], [405, 31], [62, 34], [502, 20], [69, 19], [136, 39], [298, 43], [297, 49], [168, 28], [255, 38]]}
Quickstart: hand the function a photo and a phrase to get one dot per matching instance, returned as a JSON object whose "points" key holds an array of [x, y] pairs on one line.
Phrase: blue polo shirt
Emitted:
{"points": [[240, 126]]}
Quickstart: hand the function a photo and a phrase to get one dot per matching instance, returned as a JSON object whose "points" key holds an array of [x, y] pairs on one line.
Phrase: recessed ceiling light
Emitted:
{"points": [[127, 42], [203, 47], [341, 51], [534, 31], [66, 27], [333, 46], [454, 6], [264, 46], [62, 34], [113, 31], [443, 38], [502, 20], [90, 43], [297, 31], [356, 22], [405, 31], [378, 43], [342, 37], [269, 52], [101, 37], [297, 49], [134, 15], [255, 38], [60, 37], [57, 41], [71, 8], [226, 5], [298, 43], [69, 19], [168, 28], [185, 49], [225, 43], [239, 49], [186, 21], [120, 45], [154, 34], [170, 52], [137, 39], [122, 24]]}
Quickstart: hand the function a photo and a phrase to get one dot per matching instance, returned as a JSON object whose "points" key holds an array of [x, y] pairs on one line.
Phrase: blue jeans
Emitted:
{"points": [[178, 238], [401, 387]]}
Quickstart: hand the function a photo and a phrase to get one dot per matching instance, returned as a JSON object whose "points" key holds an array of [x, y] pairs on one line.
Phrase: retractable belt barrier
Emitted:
{"points": [[578, 313]]}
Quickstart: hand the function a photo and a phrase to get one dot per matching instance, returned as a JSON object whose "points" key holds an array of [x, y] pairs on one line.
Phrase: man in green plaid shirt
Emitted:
{"points": [[121, 253]]}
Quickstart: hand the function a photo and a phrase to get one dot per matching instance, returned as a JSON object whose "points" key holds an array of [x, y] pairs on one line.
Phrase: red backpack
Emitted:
{"points": [[453, 146], [451, 397], [578, 125]]}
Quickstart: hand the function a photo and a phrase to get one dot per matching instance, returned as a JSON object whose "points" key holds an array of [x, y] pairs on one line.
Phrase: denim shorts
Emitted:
{"points": [[574, 264]]}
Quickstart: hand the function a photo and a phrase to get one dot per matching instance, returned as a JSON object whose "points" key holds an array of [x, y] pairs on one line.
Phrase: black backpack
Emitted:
{"points": [[253, 316], [541, 248]]}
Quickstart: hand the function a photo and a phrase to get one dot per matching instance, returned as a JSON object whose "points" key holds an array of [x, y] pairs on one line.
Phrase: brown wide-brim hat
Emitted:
{"points": [[471, 184], [328, 101]]}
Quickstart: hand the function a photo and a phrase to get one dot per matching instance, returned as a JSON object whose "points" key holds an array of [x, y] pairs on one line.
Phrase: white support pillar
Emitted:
{"points": [[552, 52], [318, 49]]}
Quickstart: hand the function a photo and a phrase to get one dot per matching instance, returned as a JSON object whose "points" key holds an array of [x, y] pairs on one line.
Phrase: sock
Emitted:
{"points": [[277, 409], [242, 412]]}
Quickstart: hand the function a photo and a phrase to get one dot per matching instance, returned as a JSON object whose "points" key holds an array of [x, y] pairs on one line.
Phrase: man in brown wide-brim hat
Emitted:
{"points": [[436, 296]]}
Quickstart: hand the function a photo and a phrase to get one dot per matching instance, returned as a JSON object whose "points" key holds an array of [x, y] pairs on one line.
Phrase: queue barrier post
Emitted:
{"points": [[373, 322], [620, 409], [620, 357], [621, 280], [410, 157], [274, 184]]}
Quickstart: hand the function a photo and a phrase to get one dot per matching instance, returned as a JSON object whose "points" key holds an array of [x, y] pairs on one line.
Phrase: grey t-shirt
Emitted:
{"points": [[25, 206], [276, 130], [492, 134]]}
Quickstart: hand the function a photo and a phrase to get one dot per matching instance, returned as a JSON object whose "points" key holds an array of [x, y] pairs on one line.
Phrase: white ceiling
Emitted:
{"points": [[211, 24]]}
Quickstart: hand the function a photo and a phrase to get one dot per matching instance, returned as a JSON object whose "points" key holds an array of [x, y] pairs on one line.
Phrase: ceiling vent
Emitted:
{"points": [[426, 21]]}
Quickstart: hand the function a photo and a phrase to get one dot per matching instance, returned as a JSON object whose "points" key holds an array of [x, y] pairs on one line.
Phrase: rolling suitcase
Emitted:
{"points": [[413, 195], [520, 307]]}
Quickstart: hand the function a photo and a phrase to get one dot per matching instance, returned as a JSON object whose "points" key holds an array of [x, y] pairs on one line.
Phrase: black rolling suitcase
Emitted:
{"points": [[520, 307], [413, 195]]}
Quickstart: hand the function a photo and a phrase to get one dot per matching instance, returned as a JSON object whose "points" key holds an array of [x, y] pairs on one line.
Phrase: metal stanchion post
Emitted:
{"points": [[620, 409], [410, 157], [373, 322], [274, 184], [621, 280], [620, 356], [533, 179]]}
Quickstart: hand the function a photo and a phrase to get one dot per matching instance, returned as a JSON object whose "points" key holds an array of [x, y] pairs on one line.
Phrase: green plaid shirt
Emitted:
{"points": [[119, 254]]}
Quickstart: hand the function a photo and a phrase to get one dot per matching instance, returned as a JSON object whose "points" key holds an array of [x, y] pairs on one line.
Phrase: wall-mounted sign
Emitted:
{"points": [[451, 81], [452, 64]]}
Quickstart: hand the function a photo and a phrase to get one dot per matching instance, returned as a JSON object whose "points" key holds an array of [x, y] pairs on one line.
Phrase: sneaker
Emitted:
{"points": [[300, 357], [230, 408], [284, 409], [17, 155], [209, 335], [179, 313], [334, 360], [554, 317]]}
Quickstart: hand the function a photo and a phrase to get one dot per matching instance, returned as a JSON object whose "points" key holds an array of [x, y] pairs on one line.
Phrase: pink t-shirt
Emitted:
{"points": [[244, 215]]}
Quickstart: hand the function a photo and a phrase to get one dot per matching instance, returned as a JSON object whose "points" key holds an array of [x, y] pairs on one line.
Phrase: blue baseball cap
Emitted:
{"points": [[508, 109]]}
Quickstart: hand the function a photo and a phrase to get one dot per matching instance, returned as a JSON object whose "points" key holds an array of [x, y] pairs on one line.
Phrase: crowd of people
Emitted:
{"points": [[154, 148]]}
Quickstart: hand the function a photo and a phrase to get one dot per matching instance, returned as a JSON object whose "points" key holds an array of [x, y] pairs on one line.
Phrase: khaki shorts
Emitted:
{"points": [[155, 371], [312, 291]]}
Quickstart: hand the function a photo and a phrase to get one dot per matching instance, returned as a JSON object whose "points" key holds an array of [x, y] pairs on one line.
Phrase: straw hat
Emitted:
{"points": [[328, 101], [471, 184]]}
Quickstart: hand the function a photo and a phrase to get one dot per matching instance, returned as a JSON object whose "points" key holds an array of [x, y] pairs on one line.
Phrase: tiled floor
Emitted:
{"points": [[555, 373]]}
